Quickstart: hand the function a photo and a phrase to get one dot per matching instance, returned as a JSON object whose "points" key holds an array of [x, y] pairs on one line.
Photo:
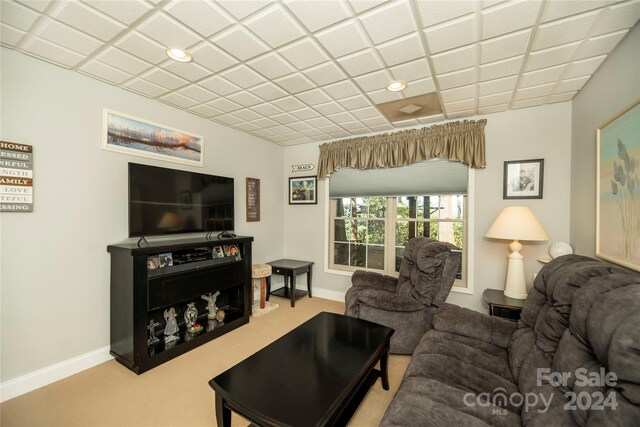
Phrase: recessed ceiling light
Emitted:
{"points": [[178, 54], [396, 86]]}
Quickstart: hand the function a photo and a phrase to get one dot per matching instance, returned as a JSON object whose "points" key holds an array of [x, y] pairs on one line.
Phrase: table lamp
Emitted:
{"points": [[516, 223]]}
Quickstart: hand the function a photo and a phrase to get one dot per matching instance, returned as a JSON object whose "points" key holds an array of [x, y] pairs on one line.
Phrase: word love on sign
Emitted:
{"points": [[300, 168], [16, 177]]}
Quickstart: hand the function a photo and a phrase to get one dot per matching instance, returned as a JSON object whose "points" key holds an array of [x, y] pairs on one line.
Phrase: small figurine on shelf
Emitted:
{"points": [[171, 329], [211, 304], [152, 332], [191, 317], [220, 315]]}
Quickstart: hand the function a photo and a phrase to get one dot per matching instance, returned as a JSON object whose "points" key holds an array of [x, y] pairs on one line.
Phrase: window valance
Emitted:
{"points": [[458, 141]]}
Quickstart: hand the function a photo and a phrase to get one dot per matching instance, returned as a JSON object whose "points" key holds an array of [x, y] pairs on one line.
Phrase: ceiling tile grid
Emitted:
{"points": [[296, 71]]}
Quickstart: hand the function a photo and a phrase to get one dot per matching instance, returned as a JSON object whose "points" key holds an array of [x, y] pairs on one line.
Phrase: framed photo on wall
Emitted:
{"points": [[618, 188], [523, 179], [303, 190]]}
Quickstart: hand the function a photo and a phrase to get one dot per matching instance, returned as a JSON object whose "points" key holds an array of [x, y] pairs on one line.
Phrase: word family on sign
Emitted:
{"points": [[16, 177]]}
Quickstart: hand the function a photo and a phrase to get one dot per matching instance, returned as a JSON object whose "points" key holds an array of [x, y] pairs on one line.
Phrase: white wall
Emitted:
{"points": [[55, 265], [538, 132], [615, 85]]}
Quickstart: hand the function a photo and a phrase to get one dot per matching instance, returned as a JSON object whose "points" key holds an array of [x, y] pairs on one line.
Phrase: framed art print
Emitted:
{"points": [[303, 190], [523, 179]]}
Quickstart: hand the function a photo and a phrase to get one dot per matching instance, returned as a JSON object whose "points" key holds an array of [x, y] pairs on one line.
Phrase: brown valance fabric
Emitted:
{"points": [[458, 141]]}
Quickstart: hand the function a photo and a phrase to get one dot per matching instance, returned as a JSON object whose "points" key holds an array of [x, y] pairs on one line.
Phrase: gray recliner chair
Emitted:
{"points": [[407, 303]]}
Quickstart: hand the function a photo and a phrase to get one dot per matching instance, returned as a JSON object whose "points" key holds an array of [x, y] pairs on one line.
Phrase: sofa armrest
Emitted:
{"points": [[388, 301], [372, 280], [462, 321]]}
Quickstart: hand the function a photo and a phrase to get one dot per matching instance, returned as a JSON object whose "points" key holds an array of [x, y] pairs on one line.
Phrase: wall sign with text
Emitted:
{"points": [[253, 200], [16, 177], [302, 168]]}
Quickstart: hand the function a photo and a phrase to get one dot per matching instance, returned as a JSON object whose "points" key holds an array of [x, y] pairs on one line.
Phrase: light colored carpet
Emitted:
{"points": [[177, 393]]}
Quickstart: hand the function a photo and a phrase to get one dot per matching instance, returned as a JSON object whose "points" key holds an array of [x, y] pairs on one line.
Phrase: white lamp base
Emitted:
{"points": [[515, 286]]}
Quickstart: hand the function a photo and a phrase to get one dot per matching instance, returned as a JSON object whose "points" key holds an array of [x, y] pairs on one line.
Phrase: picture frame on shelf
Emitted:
{"points": [[153, 262], [166, 259], [232, 251], [217, 252], [523, 179], [618, 188], [303, 190]]}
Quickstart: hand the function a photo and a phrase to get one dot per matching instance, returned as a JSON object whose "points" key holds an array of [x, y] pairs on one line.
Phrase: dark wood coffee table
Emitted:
{"points": [[316, 375]]}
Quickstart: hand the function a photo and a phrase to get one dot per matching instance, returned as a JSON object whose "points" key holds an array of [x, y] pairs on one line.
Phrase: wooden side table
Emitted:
{"points": [[501, 306], [290, 268]]}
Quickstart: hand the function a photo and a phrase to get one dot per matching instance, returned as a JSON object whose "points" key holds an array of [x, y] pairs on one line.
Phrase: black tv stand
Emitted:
{"points": [[140, 295]]}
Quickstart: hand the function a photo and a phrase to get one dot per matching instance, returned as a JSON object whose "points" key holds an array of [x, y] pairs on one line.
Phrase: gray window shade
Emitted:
{"points": [[433, 176]]}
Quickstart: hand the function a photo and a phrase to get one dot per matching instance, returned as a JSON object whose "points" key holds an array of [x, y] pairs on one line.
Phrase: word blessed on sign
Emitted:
{"points": [[16, 177], [299, 168]]}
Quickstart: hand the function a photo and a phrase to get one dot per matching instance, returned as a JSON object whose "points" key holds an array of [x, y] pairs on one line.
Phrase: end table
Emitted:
{"points": [[502, 306], [290, 268]]}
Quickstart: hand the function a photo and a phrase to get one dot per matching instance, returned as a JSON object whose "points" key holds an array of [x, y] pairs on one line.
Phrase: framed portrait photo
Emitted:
{"points": [[303, 190], [523, 179]]}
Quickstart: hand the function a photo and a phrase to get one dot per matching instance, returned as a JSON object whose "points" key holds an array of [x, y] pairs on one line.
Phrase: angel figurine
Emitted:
{"points": [[172, 325], [211, 304]]}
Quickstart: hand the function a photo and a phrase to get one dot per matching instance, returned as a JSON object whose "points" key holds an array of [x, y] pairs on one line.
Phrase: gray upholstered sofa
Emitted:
{"points": [[580, 324], [407, 303]]}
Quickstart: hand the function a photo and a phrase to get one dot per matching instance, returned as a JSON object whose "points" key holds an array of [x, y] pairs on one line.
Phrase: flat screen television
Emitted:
{"points": [[169, 201]]}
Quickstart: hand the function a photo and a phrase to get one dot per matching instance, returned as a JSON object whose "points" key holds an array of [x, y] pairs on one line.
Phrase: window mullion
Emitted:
{"points": [[390, 237]]}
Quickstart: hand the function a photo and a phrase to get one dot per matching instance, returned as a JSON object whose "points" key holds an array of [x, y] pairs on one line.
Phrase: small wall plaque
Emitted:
{"points": [[302, 168], [253, 200], [16, 177]]}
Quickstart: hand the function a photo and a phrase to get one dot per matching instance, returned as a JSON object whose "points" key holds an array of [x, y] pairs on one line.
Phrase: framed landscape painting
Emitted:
{"points": [[131, 135], [303, 190], [618, 188]]}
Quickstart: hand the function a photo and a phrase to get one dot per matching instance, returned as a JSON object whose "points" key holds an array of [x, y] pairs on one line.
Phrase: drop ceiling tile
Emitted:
{"points": [[264, 23], [341, 118], [211, 57], [550, 57], [538, 77], [247, 115], [528, 103], [340, 90], [144, 87], [143, 47], [17, 16], [599, 45], [244, 8], [563, 31], [340, 134], [433, 12], [10, 36], [410, 71], [561, 97], [284, 118], [406, 123], [313, 97], [498, 69], [243, 76], [328, 108], [281, 129], [219, 85], [265, 123], [325, 73], [457, 106], [288, 104], [353, 126], [458, 94], [354, 102], [315, 15], [304, 113], [164, 78], [228, 119], [240, 43], [88, 20], [268, 91], [374, 121], [360, 63], [431, 119], [189, 70], [224, 105], [267, 109], [304, 54], [343, 39], [123, 61], [584, 67], [401, 50], [248, 127], [245, 98], [497, 86], [52, 52], [419, 87], [388, 22], [461, 114], [571, 85], [534, 92], [366, 113], [617, 17], [204, 17], [125, 11], [104, 72], [560, 9], [457, 78], [330, 128], [294, 83], [68, 37], [361, 5], [39, 5], [509, 16], [374, 81], [178, 100], [505, 46], [493, 109], [495, 99], [168, 32], [452, 34], [271, 66], [382, 96], [198, 93], [456, 59]]}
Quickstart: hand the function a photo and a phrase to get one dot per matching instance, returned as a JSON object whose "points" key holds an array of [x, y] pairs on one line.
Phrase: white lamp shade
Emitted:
{"points": [[517, 223]]}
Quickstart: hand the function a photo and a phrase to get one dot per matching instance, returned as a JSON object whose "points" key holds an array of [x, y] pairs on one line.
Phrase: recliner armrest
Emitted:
{"points": [[462, 321], [372, 280]]}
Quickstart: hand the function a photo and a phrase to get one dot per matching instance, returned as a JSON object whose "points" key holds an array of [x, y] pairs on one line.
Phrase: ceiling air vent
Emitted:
{"points": [[411, 108]]}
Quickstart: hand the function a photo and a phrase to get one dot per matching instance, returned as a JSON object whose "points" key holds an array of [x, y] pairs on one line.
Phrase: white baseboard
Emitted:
{"points": [[42, 377], [329, 294]]}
